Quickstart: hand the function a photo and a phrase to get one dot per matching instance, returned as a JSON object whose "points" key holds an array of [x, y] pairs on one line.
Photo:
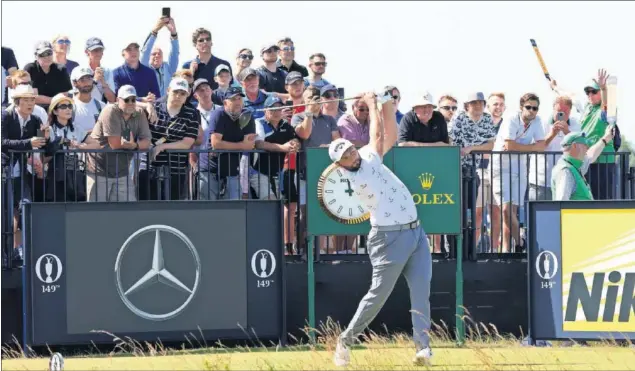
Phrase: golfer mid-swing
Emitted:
{"points": [[396, 243]]}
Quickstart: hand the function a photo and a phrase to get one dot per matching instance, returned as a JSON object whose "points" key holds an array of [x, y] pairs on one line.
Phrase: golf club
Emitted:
{"points": [[246, 115]]}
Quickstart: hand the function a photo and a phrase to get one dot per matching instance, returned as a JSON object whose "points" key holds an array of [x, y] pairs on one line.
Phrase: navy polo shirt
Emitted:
{"points": [[227, 164], [143, 79], [413, 130], [207, 71], [272, 81]]}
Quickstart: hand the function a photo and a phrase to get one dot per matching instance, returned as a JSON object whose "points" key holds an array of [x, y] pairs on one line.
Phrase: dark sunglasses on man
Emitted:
{"points": [[331, 95], [449, 108], [591, 91], [532, 108]]}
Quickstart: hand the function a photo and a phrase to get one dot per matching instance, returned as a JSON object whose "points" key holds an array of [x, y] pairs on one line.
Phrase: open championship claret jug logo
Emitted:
{"points": [[159, 273], [48, 268]]}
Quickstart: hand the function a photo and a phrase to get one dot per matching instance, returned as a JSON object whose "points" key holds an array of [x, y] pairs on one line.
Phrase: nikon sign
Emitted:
{"points": [[592, 291], [432, 175]]}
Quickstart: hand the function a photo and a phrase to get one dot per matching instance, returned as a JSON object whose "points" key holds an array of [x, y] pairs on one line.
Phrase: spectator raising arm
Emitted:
{"points": [[303, 130], [376, 124]]}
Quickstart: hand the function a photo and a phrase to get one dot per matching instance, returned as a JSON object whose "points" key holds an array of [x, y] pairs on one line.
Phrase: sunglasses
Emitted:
{"points": [[319, 64], [62, 42], [246, 56], [532, 108], [130, 100], [395, 97], [64, 106], [449, 108], [363, 109], [47, 53], [591, 91], [288, 48], [204, 39], [331, 95]]}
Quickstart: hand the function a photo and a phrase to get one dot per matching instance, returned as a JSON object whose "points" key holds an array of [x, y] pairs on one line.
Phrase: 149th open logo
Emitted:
{"points": [[48, 269], [263, 265]]}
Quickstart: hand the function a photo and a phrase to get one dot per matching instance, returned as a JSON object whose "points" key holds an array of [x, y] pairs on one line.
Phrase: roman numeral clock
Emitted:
{"points": [[337, 198]]}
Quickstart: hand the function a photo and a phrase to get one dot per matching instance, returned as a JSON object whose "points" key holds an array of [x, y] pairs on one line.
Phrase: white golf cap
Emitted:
{"points": [[424, 100], [179, 83], [338, 147], [126, 92], [79, 72]]}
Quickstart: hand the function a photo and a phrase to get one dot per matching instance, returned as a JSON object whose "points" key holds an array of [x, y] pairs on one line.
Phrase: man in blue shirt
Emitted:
{"points": [[204, 65], [132, 72], [153, 56], [254, 97]]}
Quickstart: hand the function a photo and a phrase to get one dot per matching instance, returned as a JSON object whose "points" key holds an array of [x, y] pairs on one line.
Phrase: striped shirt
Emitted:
{"points": [[173, 129]]}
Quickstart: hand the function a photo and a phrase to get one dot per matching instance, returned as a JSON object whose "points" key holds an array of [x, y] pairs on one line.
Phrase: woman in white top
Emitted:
{"points": [[65, 178]]}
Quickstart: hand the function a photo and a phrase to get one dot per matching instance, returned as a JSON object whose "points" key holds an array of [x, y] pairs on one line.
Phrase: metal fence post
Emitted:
{"points": [[311, 288]]}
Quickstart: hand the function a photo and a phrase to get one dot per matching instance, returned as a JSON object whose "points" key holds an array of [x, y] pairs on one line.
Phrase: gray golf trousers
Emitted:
{"points": [[391, 254]]}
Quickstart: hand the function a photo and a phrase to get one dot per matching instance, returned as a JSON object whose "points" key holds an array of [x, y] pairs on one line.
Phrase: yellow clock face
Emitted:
{"points": [[337, 197]]}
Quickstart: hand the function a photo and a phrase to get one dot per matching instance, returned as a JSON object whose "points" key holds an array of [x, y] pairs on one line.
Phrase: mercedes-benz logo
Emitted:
{"points": [[158, 272]]}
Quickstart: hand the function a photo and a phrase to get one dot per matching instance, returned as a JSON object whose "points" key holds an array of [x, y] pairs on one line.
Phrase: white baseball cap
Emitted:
{"points": [[79, 72], [126, 92], [179, 83], [424, 100], [338, 147]]}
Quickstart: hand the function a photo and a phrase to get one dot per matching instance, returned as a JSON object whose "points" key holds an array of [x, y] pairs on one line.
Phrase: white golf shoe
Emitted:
{"points": [[342, 355], [423, 357]]}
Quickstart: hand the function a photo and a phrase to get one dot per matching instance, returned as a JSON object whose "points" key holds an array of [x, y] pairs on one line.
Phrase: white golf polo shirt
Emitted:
{"points": [[381, 192]]}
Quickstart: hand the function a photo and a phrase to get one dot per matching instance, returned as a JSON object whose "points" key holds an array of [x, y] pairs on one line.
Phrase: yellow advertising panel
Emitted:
{"points": [[598, 270]]}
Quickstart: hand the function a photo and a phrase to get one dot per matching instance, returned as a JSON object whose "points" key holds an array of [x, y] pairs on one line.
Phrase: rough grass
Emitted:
{"points": [[484, 349]]}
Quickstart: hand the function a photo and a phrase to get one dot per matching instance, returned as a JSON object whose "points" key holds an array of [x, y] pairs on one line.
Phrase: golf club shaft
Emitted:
{"points": [[305, 104]]}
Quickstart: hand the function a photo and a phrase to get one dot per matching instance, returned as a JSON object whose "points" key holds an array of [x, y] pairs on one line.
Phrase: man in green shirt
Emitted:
{"points": [[594, 123], [567, 178]]}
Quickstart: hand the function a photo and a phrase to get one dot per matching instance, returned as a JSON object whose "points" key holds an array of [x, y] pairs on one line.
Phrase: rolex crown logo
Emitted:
{"points": [[426, 180]]}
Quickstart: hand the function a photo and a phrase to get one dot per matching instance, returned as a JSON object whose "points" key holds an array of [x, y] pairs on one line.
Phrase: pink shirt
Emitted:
{"points": [[352, 130]]}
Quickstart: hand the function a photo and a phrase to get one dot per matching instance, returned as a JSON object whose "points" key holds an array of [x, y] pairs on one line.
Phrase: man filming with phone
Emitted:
{"points": [[560, 123], [153, 55]]}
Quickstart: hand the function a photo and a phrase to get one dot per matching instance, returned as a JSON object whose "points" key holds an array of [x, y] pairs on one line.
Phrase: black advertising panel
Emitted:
{"points": [[153, 270]]}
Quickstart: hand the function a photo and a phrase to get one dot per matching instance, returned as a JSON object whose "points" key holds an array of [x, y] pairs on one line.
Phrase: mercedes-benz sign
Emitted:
{"points": [[159, 273]]}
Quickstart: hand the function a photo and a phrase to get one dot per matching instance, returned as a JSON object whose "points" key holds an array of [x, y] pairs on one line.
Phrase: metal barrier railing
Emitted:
{"points": [[501, 184], [490, 179]]}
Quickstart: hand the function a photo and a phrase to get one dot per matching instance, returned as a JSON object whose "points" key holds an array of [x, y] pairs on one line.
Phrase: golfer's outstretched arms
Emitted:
{"points": [[376, 128], [391, 130]]}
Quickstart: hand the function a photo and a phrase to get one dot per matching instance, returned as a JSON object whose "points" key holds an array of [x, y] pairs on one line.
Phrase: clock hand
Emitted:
{"points": [[349, 190]]}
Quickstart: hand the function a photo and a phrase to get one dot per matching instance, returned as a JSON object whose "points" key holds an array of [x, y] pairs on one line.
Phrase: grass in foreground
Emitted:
{"points": [[485, 350]]}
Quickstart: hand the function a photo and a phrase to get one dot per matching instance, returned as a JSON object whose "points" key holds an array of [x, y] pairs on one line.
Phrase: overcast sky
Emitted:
{"points": [[437, 46]]}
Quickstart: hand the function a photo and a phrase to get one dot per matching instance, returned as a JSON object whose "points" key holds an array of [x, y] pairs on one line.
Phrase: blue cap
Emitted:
{"points": [[94, 43], [271, 100], [233, 91], [327, 88]]}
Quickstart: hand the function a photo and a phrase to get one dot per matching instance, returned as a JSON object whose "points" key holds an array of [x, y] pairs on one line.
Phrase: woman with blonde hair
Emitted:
{"points": [[61, 48], [65, 178], [243, 60]]}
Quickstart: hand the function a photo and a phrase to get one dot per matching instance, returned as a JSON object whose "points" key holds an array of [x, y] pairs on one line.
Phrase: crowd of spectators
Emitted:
{"points": [[151, 106]]}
